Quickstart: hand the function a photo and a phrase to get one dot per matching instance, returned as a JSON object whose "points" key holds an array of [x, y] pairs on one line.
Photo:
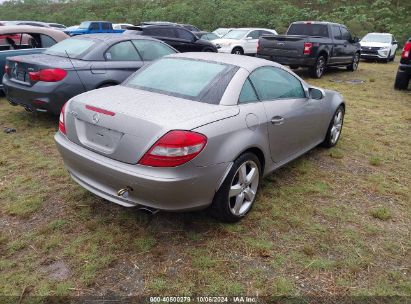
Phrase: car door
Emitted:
{"points": [[349, 47], [187, 41], [337, 53], [294, 122], [121, 60], [166, 34], [251, 41]]}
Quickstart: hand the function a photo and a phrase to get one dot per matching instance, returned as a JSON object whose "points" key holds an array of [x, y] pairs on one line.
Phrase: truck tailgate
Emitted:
{"points": [[282, 46]]}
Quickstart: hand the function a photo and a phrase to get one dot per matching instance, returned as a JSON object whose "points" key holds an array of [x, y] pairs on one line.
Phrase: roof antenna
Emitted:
{"points": [[84, 87]]}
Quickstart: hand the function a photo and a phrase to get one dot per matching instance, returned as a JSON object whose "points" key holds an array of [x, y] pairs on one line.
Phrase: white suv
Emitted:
{"points": [[241, 41], [378, 46]]}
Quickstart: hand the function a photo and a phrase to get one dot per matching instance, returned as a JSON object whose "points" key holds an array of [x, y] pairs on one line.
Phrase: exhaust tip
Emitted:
{"points": [[148, 210], [124, 192]]}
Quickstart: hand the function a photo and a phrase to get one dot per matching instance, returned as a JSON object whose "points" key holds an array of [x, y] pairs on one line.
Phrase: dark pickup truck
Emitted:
{"points": [[312, 44]]}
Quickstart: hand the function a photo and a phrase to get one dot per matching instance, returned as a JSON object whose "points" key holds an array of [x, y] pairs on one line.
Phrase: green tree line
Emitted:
{"points": [[361, 16]]}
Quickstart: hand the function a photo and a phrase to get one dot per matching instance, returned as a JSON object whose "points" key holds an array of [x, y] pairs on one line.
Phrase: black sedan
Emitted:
{"points": [[44, 82]]}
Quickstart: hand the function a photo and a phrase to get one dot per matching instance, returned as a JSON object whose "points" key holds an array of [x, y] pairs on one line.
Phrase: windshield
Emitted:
{"points": [[376, 38], [72, 46], [84, 25], [178, 77], [235, 34], [222, 31]]}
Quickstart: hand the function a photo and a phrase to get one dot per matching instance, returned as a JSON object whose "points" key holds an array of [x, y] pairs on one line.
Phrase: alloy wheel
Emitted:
{"points": [[337, 126], [244, 188], [320, 66]]}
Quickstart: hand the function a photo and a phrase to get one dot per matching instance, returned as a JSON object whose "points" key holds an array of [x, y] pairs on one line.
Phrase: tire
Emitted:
{"points": [[401, 81], [237, 51], [388, 58], [393, 57], [318, 69], [336, 124], [208, 49], [105, 85], [354, 63], [224, 207]]}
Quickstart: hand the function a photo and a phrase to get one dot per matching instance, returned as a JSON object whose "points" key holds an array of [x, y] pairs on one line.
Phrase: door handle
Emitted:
{"points": [[277, 120]]}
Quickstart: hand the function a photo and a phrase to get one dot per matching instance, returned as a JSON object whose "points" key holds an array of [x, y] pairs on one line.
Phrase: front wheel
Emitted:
{"points": [[237, 51], [318, 69], [237, 194], [334, 129], [354, 63]]}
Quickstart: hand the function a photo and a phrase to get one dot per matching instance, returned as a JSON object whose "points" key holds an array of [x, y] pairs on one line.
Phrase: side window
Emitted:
{"points": [[94, 26], [165, 32], [274, 83], [345, 34], [105, 26], [151, 50], [123, 51], [184, 34], [247, 94], [336, 32], [254, 34], [46, 41]]}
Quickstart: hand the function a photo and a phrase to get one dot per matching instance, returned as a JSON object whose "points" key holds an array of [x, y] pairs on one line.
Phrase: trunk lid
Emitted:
{"points": [[21, 66], [123, 123]]}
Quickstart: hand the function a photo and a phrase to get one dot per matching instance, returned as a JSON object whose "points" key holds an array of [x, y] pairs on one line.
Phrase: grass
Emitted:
{"points": [[333, 222]]}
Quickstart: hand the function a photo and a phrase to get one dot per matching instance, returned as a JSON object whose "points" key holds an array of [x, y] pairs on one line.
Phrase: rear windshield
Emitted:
{"points": [[186, 78], [308, 29], [72, 47]]}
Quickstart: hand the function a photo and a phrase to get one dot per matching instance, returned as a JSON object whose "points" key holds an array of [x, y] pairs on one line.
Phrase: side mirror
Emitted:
{"points": [[316, 93], [395, 42], [355, 39], [195, 38]]}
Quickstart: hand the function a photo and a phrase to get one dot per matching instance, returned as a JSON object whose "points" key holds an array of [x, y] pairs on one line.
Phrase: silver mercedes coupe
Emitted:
{"points": [[195, 130]]}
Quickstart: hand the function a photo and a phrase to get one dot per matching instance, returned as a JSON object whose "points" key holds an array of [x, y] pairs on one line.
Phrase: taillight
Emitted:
{"points": [[406, 50], [307, 48], [48, 75], [6, 69], [62, 126], [174, 149]]}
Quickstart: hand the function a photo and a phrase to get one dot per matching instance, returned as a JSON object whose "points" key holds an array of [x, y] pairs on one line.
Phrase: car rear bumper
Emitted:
{"points": [[151, 187], [42, 96], [303, 61]]}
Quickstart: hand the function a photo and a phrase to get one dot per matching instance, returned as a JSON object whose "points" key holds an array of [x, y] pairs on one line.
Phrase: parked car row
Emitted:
{"points": [[142, 125]]}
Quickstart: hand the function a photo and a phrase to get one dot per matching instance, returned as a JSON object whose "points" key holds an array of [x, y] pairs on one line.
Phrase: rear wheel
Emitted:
{"points": [[401, 81], [237, 194], [318, 69], [334, 129], [237, 51], [354, 63]]}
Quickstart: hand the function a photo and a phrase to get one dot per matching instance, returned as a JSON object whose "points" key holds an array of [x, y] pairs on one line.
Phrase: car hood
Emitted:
{"points": [[374, 44]]}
